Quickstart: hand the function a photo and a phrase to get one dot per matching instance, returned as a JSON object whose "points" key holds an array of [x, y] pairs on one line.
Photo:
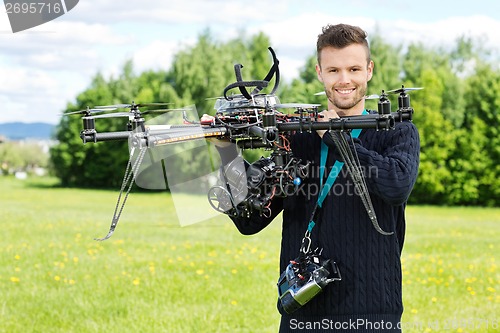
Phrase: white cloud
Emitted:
{"points": [[157, 55], [46, 67], [235, 12], [34, 95], [297, 35], [444, 32]]}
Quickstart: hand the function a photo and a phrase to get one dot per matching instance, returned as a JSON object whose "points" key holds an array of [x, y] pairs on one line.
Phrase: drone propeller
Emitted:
{"points": [[134, 110], [132, 106], [169, 110], [161, 111], [403, 90], [296, 106], [113, 115], [320, 93], [242, 107], [88, 111]]}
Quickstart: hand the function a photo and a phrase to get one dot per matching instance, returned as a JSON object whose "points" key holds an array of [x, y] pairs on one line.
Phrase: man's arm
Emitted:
{"points": [[254, 223], [391, 171]]}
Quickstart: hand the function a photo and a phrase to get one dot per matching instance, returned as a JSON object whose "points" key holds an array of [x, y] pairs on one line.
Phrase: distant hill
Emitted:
{"points": [[20, 130]]}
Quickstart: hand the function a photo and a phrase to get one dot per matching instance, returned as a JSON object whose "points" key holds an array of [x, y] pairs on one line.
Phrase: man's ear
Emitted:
{"points": [[370, 70], [318, 71]]}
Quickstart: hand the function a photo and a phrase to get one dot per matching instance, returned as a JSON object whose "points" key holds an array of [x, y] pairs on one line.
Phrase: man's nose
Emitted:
{"points": [[344, 77]]}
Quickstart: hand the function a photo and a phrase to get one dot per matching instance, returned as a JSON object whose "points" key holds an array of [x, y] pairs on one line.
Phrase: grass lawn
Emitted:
{"points": [[155, 276]]}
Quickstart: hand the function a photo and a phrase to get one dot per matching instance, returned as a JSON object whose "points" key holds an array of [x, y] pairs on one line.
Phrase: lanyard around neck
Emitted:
{"points": [[334, 172], [332, 176]]}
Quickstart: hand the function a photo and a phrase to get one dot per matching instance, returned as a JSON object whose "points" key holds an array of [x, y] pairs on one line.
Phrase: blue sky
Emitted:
{"points": [[44, 68]]}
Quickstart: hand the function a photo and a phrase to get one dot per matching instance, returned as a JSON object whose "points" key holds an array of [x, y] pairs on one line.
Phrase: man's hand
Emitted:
{"points": [[208, 120], [326, 116]]}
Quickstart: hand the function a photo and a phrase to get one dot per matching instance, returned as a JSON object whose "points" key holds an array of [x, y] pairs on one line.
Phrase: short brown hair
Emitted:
{"points": [[340, 36]]}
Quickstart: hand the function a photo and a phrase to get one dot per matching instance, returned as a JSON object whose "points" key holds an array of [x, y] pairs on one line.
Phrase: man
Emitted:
{"points": [[368, 298]]}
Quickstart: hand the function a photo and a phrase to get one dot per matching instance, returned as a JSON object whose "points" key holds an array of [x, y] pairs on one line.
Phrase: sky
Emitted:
{"points": [[44, 68]]}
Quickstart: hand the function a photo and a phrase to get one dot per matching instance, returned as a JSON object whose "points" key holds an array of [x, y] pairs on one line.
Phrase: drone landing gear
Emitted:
{"points": [[128, 181]]}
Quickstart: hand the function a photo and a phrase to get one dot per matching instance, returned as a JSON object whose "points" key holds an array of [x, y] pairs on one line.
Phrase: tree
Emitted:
{"points": [[304, 88], [200, 72], [482, 134], [388, 65], [430, 69], [103, 164], [437, 141]]}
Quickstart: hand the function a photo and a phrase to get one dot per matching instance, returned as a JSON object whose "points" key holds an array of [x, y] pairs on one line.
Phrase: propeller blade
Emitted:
{"points": [[296, 106], [152, 104], [164, 110], [374, 96], [403, 89], [320, 93], [242, 107], [89, 111], [158, 110], [115, 106], [133, 105], [75, 112], [113, 115]]}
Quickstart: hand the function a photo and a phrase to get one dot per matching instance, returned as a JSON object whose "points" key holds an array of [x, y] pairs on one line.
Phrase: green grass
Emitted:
{"points": [[155, 276]]}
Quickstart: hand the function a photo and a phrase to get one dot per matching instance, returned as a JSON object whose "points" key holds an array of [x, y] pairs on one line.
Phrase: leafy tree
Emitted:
{"points": [[304, 88], [388, 65], [198, 73], [481, 132], [10, 158], [437, 141], [102, 164]]}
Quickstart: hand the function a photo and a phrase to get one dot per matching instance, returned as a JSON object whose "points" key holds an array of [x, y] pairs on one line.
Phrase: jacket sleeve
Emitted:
{"points": [[391, 168], [255, 223]]}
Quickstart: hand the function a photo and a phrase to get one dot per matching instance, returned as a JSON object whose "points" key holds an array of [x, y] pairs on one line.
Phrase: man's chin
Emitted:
{"points": [[345, 106]]}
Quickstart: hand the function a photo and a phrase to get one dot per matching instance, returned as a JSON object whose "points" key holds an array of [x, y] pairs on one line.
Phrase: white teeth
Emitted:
{"points": [[345, 91]]}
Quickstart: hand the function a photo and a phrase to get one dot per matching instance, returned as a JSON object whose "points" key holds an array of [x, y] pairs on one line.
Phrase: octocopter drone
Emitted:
{"points": [[249, 119]]}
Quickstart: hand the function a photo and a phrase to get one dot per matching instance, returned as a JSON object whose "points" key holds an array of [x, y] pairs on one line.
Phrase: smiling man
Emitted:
{"points": [[368, 298], [344, 67], [345, 70]]}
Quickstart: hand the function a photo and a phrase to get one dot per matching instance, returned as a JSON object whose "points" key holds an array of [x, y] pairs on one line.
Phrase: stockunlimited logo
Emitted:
{"points": [[26, 14]]}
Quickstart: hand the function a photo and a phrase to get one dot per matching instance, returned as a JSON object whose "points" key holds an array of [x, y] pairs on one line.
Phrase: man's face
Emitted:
{"points": [[345, 74]]}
